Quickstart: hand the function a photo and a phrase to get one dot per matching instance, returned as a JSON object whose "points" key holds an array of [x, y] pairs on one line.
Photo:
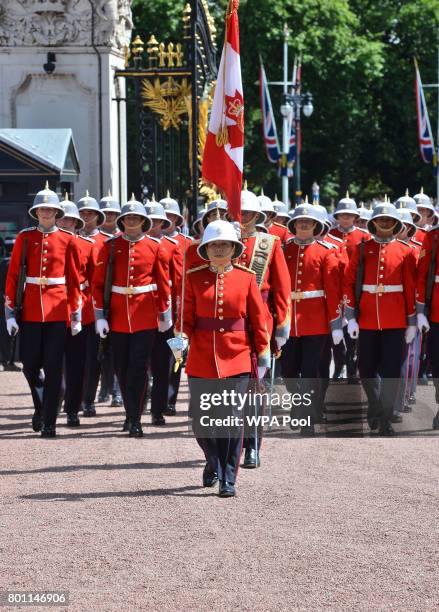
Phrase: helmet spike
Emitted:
{"points": [[109, 193], [407, 191], [133, 199], [262, 191], [245, 185], [46, 186], [153, 197], [306, 199], [168, 195], [87, 195], [347, 193], [422, 190], [66, 196]]}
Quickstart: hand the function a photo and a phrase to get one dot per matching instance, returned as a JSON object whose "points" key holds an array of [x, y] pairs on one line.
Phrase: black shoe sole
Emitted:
{"points": [[226, 494], [250, 466], [210, 484]]}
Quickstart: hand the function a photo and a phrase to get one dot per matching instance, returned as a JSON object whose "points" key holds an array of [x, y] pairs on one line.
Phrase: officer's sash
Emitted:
{"points": [[261, 255]]}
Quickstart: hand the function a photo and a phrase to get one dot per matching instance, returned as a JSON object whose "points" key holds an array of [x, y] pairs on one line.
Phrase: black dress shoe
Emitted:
{"points": [[117, 401], [407, 408], [89, 410], [386, 430], [373, 423], [209, 478], [226, 489], [48, 431], [158, 420], [126, 425], [436, 421], [307, 431], [170, 410], [136, 430], [251, 459], [73, 420], [37, 422], [103, 398], [412, 399], [396, 418]]}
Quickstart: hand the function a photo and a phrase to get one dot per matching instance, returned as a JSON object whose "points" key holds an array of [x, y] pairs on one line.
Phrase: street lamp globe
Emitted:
{"points": [[308, 108]]}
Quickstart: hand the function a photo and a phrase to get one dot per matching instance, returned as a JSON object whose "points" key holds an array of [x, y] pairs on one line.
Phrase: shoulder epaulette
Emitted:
{"points": [[66, 231], [27, 229], [416, 241], [327, 245], [289, 241], [187, 237], [279, 224], [335, 237], [402, 242], [203, 267], [171, 239], [106, 234], [152, 238], [86, 238], [235, 265], [195, 242]]}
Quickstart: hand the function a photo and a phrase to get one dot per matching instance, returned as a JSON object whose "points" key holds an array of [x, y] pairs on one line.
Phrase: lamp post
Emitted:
{"points": [[293, 104]]}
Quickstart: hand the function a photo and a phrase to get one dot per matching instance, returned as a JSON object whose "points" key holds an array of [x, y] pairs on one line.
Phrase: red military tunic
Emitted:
{"points": [[214, 299], [350, 238], [423, 269], [175, 264], [420, 234], [341, 250], [386, 264], [88, 257], [193, 260], [275, 286], [137, 264], [279, 230], [51, 257], [313, 267]]}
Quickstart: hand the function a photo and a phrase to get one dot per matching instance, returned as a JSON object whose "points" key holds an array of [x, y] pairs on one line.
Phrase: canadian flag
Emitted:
{"points": [[224, 149]]}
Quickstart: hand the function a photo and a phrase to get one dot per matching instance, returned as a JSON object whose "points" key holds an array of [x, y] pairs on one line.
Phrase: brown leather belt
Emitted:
{"points": [[226, 324], [265, 295]]}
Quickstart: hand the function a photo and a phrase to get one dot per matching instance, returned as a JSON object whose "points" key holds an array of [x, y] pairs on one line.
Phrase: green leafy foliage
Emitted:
{"points": [[357, 63]]}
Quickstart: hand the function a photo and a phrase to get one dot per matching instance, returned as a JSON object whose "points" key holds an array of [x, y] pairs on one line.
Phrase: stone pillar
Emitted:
{"points": [[88, 39]]}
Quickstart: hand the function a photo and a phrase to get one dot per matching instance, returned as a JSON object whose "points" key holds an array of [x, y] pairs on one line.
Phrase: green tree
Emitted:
{"points": [[358, 64]]}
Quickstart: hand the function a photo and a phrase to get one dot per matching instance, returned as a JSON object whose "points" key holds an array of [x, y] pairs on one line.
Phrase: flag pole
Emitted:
{"points": [[285, 120]]}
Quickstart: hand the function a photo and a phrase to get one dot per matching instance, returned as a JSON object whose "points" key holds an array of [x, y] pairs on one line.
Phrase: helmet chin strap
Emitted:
{"points": [[387, 231]]}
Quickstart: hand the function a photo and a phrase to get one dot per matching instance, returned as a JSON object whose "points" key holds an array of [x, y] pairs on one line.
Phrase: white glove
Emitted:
{"points": [[410, 333], [353, 329], [423, 324], [102, 327], [344, 322], [12, 326], [237, 228], [165, 325], [261, 371], [337, 336], [280, 341], [75, 327]]}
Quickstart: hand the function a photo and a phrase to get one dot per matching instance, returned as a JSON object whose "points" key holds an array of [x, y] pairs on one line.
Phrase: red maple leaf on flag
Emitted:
{"points": [[235, 110]]}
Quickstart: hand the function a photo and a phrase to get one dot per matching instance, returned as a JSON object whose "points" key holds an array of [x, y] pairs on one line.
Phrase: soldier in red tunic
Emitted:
{"points": [[273, 227], [162, 355], [75, 346], [222, 301], [51, 294], [386, 311], [427, 306], [140, 303], [314, 271], [263, 254], [172, 212], [94, 218]]}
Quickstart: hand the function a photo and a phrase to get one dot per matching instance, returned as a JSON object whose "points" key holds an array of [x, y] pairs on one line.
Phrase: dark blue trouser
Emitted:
{"points": [[42, 347], [131, 357], [222, 452]]}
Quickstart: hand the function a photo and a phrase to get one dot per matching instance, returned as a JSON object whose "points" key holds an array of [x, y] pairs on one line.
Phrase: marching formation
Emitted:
{"points": [[102, 291]]}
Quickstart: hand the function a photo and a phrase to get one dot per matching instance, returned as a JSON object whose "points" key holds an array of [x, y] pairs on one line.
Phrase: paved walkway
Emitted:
{"points": [[123, 524]]}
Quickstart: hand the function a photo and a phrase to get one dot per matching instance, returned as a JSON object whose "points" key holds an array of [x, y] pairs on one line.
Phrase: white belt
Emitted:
{"points": [[42, 280], [383, 288], [304, 295], [436, 279], [133, 290], [84, 285]]}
